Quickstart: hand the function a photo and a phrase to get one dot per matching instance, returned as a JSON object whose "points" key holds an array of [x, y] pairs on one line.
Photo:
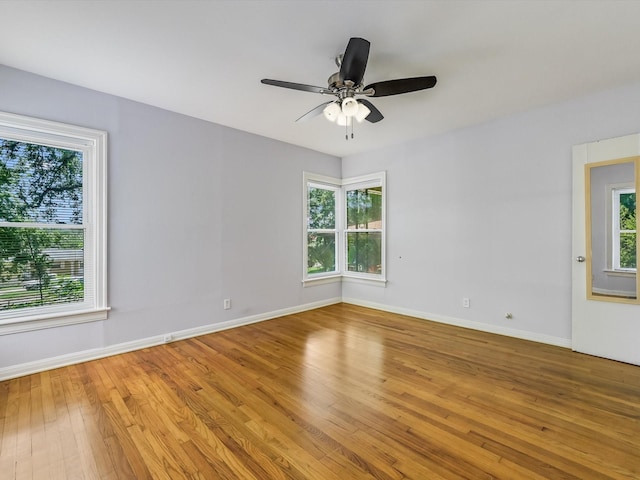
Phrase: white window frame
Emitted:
{"points": [[616, 191], [358, 183], [93, 145], [324, 183], [328, 183], [341, 186]]}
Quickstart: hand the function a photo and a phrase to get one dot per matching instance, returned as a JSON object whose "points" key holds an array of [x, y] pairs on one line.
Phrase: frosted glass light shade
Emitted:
{"points": [[363, 112], [332, 111], [343, 120], [349, 106]]}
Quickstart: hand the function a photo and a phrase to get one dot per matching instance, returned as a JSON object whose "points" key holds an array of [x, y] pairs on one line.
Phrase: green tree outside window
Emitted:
{"points": [[628, 230], [41, 261]]}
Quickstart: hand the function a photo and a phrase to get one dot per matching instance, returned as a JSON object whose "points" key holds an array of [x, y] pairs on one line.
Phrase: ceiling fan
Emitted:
{"points": [[346, 84]]}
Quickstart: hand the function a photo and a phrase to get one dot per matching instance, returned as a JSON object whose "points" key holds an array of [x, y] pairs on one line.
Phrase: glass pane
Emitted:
{"points": [[627, 211], [364, 208], [611, 236], [40, 266], [40, 183], [364, 252], [321, 208], [321, 252], [628, 250]]}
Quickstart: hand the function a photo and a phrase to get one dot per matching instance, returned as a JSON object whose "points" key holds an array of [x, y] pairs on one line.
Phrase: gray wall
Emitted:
{"points": [[197, 213], [485, 213]]}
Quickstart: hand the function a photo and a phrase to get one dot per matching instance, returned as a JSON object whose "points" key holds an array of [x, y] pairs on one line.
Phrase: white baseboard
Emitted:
{"points": [[483, 327], [14, 371]]}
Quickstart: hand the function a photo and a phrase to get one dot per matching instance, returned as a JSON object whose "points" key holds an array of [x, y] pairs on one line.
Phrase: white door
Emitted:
{"points": [[605, 309]]}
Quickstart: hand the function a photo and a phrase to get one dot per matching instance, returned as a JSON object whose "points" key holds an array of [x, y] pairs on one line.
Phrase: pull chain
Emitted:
{"points": [[346, 130]]}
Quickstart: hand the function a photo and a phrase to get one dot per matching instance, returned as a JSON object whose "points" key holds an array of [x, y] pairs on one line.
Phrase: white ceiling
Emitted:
{"points": [[206, 58]]}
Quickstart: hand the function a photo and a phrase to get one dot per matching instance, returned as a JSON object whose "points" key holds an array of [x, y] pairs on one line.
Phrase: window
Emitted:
{"points": [[364, 229], [344, 227], [322, 231], [624, 229], [52, 224]]}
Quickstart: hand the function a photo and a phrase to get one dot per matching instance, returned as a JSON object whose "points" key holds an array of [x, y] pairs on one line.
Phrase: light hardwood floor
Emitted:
{"points": [[341, 392]]}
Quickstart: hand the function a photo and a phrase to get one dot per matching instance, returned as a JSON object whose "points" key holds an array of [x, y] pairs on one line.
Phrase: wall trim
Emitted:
{"points": [[37, 366], [483, 327]]}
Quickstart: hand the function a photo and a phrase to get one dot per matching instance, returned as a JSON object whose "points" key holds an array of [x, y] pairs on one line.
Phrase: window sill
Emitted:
{"points": [[619, 273], [378, 282], [39, 322], [311, 282], [351, 278]]}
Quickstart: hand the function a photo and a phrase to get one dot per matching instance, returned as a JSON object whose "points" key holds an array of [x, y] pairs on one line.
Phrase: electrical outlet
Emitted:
{"points": [[168, 337], [466, 303], [227, 303]]}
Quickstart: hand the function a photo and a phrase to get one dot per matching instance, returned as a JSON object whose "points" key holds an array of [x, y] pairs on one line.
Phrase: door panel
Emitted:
{"points": [[605, 316]]}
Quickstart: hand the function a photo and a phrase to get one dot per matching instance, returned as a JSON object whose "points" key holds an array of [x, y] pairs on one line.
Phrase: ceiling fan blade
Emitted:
{"points": [[314, 112], [354, 61], [375, 115], [296, 86], [401, 85]]}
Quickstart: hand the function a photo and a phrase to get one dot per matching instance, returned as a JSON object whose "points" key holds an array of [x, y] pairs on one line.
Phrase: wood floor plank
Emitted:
{"points": [[130, 462], [8, 443], [334, 393]]}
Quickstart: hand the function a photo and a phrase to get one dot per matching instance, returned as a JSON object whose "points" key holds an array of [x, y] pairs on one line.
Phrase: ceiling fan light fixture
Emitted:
{"points": [[362, 113], [349, 106], [343, 120], [332, 111]]}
